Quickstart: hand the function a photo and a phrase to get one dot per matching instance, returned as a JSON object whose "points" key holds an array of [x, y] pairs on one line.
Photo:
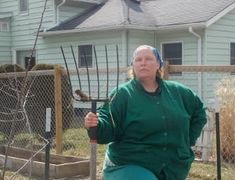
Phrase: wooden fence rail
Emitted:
{"points": [[197, 68]]}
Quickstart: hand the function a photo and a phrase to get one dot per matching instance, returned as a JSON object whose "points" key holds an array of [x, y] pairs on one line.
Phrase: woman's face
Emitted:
{"points": [[145, 64]]}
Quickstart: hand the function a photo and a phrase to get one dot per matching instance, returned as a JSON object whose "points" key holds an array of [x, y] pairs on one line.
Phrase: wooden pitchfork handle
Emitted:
{"points": [[92, 132]]}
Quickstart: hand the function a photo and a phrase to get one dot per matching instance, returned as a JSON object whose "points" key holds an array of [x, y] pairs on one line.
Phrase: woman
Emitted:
{"points": [[149, 124]]}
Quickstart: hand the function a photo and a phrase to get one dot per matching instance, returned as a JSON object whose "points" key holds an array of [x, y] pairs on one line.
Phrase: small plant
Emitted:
{"points": [[27, 140], [2, 138]]}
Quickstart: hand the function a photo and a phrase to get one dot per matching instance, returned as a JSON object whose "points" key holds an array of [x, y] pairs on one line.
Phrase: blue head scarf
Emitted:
{"points": [[158, 57]]}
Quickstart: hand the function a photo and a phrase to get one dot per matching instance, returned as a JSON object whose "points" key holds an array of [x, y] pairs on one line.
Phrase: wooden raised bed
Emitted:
{"points": [[60, 166]]}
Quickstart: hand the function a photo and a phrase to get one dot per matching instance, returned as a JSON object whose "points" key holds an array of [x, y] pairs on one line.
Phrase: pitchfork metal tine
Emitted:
{"points": [[97, 72], [67, 70], [88, 74], [76, 66], [107, 70]]}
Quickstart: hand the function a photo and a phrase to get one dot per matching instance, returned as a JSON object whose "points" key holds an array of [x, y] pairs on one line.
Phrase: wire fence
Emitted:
{"points": [[23, 123], [68, 136]]}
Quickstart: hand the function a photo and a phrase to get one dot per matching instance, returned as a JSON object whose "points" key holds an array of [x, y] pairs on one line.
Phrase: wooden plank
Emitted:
{"points": [[92, 71], [60, 166], [200, 68], [58, 109]]}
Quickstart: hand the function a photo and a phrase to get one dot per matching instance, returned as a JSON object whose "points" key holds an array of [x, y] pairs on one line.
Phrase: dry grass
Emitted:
{"points": [[207, 171], [226, 93]]}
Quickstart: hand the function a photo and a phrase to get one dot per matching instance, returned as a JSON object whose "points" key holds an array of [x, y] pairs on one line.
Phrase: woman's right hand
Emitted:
{"points": [[91, 120]]}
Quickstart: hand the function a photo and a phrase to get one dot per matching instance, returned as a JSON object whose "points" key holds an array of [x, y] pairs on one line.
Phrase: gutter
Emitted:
{"points": [[58, 11], [122, 27], [199, 58]]}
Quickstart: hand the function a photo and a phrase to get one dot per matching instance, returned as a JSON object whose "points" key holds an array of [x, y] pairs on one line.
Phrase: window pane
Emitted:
{"points": [[173, 50], [23, 5], [85, 55], [173, 53], [4, 27], [29, 62], [232, 54]]}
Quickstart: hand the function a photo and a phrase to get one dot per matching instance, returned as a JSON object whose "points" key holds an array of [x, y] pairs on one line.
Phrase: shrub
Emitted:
{"points": [[6, 68]]}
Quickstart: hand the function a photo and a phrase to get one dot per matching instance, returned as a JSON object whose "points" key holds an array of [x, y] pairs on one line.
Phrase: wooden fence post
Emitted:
{"points": [[58, 109], [206, 140], [166, 70]]}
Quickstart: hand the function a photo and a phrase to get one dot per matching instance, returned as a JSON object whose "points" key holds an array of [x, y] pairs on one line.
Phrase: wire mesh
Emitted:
{"points": [[30, 118]]}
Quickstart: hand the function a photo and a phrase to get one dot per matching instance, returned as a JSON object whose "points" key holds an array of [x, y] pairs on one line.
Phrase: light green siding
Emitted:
{"points": [[8, 5], [5, 54], [217, 52], [24, 26], [5, 47], [49, 48], [189, 54], [5, 37], [137, 38]]}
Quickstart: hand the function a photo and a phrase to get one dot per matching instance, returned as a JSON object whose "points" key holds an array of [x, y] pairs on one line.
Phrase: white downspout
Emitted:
{"points": [[199, 59], [58, 11], [127, 47], [125, 50]]}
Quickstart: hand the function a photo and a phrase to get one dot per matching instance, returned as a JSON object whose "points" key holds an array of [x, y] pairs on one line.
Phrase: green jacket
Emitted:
{"points": [[153, 130]]}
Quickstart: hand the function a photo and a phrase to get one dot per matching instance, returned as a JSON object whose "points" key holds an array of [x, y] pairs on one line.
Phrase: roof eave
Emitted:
{"points": [[121, 27], [171, 27], [80, 30], [220, 15]]}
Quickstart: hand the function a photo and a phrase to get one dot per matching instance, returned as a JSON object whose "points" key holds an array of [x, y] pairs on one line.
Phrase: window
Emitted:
{"points": [[4, 27], [232, 53], [85, 56], [172, 52], [23, 6], [23, 58], [28, 62]]}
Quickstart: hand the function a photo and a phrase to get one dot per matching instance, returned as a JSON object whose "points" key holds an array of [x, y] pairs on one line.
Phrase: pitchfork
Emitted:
{"points": [[92, 132]]}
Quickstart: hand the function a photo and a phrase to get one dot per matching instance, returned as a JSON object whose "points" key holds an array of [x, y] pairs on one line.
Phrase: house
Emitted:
{"points": [[184, 31]]}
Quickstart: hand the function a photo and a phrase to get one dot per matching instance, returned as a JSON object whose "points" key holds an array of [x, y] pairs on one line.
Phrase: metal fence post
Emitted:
{"points": [[218, 146], [48, 136], [217, 124]]}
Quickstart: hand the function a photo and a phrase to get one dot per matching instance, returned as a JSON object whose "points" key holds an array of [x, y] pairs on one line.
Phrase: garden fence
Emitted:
{"points": [[50, 89]]}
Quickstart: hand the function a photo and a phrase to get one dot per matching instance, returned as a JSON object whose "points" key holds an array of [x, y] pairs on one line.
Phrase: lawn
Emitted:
{"points": [[76, 144]]}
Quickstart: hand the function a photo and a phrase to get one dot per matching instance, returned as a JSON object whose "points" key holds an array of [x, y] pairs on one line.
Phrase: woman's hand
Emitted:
{"points": [[91, 120]]}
